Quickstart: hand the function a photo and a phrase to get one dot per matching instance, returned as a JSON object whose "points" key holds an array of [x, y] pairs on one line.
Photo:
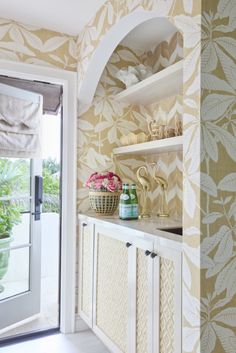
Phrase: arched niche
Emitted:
{"points": [[106, 47]]}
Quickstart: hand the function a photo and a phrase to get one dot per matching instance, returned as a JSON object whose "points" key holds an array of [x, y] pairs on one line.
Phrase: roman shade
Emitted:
{"points": [[51, 93], [20, 122]]}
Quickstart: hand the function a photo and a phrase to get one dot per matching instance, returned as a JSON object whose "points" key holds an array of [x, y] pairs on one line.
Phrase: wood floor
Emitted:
{"points": [[83, 342]]}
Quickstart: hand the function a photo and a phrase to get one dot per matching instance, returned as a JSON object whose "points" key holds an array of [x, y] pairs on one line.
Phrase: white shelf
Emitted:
{"points": [[161, 85], [159, 146]]}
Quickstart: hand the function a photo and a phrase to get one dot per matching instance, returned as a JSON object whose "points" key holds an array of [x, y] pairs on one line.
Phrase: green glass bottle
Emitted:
{"points": [[134, 202], [125, 207]]}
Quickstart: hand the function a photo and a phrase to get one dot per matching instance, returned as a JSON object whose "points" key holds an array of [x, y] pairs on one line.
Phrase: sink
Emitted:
{"points": [[178, 231]]}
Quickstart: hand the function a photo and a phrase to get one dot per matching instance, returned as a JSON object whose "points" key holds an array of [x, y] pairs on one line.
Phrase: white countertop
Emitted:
{"points": [[147, 228]]}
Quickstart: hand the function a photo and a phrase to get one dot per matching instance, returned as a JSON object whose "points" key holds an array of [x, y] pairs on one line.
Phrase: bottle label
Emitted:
{"points": [[132, 196], [135, 211], [124, 197], [125, 211]]}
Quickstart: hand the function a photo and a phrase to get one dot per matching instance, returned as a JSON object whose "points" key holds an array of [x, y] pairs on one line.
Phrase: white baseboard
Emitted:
{"points": [[19, 324], [80, 325]]}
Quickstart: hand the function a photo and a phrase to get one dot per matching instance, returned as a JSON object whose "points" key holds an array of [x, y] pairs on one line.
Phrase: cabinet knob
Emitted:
{"points": [[147, 252], [84, 224], [128, 245], [153, 255]]}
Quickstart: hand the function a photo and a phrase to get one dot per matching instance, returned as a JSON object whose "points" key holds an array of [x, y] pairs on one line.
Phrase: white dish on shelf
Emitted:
{"points": [[163, 84]]}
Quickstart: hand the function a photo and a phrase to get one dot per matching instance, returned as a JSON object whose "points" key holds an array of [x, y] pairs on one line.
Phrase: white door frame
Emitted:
{"points": [[68, 217]]}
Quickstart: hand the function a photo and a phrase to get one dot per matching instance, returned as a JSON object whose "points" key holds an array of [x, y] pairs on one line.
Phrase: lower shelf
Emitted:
{"points": [[159, 146]]}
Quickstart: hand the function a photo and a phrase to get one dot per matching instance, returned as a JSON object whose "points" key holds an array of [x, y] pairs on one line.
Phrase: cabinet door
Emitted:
{"points": [[141, 280], [167, 301], [86, 244], [111, 288]]}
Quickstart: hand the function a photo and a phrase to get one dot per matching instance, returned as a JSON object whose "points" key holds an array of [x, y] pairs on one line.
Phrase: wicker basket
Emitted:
{"points": [[104, 202]]}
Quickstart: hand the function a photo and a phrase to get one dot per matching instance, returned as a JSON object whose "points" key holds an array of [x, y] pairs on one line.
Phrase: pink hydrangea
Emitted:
{"points": [[107, 181]]}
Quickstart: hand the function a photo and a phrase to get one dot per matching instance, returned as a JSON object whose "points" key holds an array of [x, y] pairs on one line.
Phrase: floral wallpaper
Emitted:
{"points": [[20, 42]]}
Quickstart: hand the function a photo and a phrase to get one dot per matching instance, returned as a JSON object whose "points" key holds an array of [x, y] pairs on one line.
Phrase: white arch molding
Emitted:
{"points": [[104, 51]]}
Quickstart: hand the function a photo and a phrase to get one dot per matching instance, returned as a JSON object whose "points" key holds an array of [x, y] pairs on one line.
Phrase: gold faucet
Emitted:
{"points": [[146, 186], [164, 185]]}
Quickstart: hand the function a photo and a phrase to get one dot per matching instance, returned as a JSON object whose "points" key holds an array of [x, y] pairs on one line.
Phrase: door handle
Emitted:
{"points": [[153, 255], [147, 252], [38, 197]]}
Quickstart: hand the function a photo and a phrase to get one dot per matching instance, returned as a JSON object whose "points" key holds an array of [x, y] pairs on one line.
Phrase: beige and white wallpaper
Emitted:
{"points": [[33, 45], [218, 162], [209, 183]]}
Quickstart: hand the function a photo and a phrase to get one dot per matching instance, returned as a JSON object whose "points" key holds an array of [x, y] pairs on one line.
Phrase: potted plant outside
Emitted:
{"points": [[104, 192], [10, 214]]}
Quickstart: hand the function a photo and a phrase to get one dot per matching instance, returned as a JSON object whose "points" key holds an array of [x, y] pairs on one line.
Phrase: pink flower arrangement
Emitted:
{"points": [[107, 181]]}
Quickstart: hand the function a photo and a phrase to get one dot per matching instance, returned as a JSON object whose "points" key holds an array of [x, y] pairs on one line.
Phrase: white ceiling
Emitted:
{"points": [[149, 34], [67, 16]]}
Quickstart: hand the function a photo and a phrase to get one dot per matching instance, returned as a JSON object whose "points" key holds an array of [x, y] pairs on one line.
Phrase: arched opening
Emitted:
{"points": [[143, 28]]}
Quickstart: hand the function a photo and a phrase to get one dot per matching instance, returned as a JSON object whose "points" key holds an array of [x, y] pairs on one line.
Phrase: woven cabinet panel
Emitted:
{"points": [[87, 263], [112, 290], [167, 304], [142, 303]]}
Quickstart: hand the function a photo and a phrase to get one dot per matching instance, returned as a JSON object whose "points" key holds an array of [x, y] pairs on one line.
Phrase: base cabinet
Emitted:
{"points": [[136, 292], [111, 289], [167, 301]]}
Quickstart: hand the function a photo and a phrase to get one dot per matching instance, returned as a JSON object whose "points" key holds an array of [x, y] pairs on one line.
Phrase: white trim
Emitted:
{"points": [[68, 243], [132, 298], [145, 245], [87, 318], [80, 324], [106, 340], [156, 306], [20, 323], [94, 315]]}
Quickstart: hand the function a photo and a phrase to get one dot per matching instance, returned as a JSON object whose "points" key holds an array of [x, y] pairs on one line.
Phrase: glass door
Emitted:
{"points": [[20, 239]]}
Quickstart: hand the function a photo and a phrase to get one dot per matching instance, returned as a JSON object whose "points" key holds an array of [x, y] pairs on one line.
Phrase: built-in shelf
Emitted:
{"points": [[161, 85], [151, 147]]}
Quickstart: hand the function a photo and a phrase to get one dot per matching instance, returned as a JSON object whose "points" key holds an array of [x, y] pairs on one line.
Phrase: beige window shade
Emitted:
{"points": [[51, 93], [20, 122]]}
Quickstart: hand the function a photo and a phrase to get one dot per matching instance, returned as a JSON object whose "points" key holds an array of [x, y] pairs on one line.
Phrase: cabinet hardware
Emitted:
{"points": [[147, 252], [84, 224], [128, 245], [153, 255]]}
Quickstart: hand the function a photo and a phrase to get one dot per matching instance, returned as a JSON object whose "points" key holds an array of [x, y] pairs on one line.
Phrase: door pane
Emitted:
{"points": [[14, 178], [14, 271], [21, 231], [15, 208]]}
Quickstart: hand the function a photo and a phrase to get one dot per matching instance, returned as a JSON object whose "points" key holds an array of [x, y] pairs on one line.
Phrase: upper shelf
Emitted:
{"points": [[161, 85], [158, 146]]}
